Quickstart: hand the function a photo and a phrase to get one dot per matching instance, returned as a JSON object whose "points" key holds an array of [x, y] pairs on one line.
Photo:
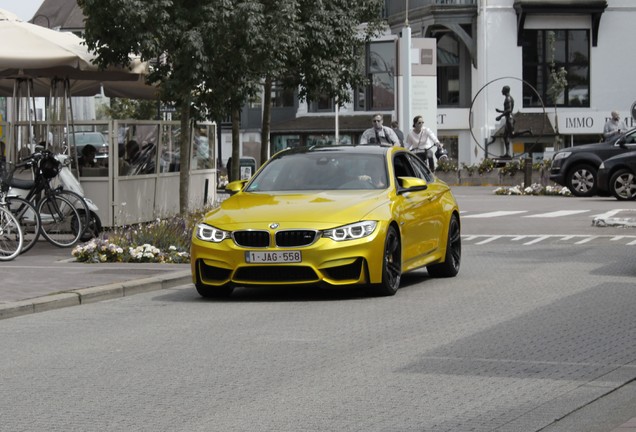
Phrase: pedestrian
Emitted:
{"points": [[87, 158], [421, 141], [379, 134], [614, 126], [396, 128]]}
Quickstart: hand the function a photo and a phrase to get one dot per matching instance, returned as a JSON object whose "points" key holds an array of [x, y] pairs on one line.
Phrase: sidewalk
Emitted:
{"points": [[47, 277]]}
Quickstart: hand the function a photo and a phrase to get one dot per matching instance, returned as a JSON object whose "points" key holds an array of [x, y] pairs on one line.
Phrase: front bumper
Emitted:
{"points": [[557, 174], [325, 262]]}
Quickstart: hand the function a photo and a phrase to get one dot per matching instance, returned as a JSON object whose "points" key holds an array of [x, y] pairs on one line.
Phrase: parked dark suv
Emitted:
{"points": [[577, 167]]}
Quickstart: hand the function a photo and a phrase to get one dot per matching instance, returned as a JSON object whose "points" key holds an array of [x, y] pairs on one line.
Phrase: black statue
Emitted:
{"points": [[509, 130]]}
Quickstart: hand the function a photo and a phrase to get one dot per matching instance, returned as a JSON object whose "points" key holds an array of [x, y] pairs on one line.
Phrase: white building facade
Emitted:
{"points": [[517, 43]]}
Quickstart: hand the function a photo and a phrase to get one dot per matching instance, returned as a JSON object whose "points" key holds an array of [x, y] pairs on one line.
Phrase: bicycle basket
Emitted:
{"points": [[49, 166]]}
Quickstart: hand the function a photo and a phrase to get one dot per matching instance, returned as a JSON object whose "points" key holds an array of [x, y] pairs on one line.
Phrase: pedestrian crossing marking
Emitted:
{"points": [[586, 240], [559, 213], [550, 214], [610, 213], [495, 214], [536, 240], [488, 240], [532, 239]]}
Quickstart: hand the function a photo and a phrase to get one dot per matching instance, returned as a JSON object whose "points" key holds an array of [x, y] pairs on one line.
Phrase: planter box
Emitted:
{"points": [[462, 178]]}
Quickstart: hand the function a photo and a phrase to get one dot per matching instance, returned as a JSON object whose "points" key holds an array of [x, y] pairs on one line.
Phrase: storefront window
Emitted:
{"points": [[448, 70], [281, 142], [380, 69], [570, 50]]}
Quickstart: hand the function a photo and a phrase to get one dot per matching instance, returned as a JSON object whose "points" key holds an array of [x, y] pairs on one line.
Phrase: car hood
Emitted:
{"points": [[327, 207], [589, 147]]}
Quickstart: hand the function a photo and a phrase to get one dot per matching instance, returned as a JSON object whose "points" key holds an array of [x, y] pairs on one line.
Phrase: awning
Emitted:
{"points": [[593, 8]]}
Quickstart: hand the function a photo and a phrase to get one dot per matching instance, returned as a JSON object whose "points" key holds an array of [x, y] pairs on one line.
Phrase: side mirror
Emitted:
{"points": [[235, 186], [411, 184]]}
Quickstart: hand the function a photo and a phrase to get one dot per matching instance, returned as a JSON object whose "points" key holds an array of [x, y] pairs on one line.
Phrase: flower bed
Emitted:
{"points": [[533, 189], [162, 241]]}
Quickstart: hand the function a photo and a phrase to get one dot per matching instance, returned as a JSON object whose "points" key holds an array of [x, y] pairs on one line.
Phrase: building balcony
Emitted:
{"points": [[397, 8]]}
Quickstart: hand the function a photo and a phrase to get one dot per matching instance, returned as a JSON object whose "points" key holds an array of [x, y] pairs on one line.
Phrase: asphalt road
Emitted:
{"points": [[536, 333]]}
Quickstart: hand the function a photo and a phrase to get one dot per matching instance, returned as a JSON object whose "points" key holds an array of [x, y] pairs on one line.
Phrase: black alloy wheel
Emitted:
{"points": [[391, 264], [453, 257]]}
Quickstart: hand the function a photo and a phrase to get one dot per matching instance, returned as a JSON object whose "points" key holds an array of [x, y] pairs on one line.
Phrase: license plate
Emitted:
{"points": [[273, 257]]}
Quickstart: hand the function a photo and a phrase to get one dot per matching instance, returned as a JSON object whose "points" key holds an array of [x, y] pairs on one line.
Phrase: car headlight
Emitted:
{"points": [[601, 166], [351, 232], [562, 155], [207, 232]]}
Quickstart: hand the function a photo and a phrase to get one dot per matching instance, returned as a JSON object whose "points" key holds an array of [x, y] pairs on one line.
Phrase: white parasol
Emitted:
{"points": [[38, 61], [39, 53]]}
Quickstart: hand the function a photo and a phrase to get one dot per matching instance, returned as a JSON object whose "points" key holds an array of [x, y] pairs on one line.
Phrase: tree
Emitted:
{"points": [[321, 54], [123, 108], [188, 42]]}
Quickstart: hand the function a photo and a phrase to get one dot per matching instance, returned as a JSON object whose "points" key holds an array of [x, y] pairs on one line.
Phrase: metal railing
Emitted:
{"points": [[393, 7]]}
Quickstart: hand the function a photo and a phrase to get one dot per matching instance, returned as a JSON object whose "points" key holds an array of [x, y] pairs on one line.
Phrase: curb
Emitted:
{"points": [[95, 294]]}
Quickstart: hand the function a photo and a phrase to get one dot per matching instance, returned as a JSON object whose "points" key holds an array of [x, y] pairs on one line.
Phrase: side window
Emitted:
{"points": [[630, 138], [402, 166], [421, 169]]}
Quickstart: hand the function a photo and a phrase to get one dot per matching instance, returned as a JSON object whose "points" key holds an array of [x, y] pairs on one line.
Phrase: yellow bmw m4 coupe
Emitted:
{"points": [[335, 216]]}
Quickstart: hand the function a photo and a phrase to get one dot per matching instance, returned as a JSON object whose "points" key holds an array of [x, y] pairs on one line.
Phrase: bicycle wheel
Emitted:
{"points": [[60, 221], [10, 236], [80, 204], [28, 218]]}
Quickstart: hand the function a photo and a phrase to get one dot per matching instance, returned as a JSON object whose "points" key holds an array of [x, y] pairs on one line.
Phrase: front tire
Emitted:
{"points": [[581, 180], [59, 221], [453, 257], [623, 185], [29, 220], [391, 264]]}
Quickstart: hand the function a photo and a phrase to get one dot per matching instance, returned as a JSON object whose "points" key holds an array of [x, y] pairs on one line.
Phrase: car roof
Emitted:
{"points": [[343, 149]]}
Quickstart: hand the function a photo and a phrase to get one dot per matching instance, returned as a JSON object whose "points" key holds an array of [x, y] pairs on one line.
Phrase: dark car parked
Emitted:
{"points": [[616, 176], [577, 167]]}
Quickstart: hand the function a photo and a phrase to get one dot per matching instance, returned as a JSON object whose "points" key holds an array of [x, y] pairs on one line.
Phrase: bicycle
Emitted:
{"points": [[11, 239], [28, 219], [61, 222]]}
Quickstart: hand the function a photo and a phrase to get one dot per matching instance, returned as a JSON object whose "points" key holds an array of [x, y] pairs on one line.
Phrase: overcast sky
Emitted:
{"points": [[24, 9]]}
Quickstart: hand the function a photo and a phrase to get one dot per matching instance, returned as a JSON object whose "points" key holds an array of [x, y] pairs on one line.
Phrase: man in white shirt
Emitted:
{"points": [[378, 134], [614, 127]]}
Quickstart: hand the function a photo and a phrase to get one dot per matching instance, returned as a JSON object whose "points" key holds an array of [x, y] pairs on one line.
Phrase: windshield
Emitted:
{"points": [[321, 171]]}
